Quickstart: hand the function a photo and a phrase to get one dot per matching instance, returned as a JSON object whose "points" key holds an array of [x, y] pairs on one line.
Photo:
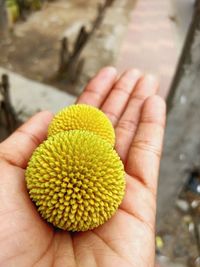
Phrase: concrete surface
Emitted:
{"points": [[29, 97], [155, 38], [181, 11], [181, 149]]}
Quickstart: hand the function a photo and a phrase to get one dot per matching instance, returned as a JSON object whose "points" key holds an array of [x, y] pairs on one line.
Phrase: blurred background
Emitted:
{"points": [[50, 49]]}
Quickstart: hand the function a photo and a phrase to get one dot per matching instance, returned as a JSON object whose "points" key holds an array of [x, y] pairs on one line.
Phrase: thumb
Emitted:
{"points": [[18, 148]]}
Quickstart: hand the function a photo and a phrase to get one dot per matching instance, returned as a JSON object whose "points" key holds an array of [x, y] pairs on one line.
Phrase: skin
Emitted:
{"points": [[128, 238]]}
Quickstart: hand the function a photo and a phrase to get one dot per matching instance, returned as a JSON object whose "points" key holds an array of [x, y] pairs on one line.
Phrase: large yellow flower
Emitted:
{"points": [[76, 180]]}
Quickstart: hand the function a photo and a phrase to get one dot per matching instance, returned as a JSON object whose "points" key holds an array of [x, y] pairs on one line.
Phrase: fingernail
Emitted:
{"points": [[135, 72], [151, 79], [108, 71]]}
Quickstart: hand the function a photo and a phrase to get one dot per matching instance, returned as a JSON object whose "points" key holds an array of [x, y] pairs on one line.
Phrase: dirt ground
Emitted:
{"points": [[33, 47], [179, 240]]}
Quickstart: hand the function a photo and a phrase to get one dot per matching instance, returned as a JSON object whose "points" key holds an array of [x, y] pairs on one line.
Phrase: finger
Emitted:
{"points": [[18, 148], [98, 88], [118, 97], [128, 123], [145, 152]]}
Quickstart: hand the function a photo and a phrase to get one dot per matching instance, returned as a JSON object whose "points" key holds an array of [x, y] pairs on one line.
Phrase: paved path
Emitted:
{"points": [[152, 42]]}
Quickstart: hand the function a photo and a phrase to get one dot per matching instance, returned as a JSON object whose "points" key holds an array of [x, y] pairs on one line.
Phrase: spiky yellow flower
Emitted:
{"points": [[76, 180], [82, 117]]}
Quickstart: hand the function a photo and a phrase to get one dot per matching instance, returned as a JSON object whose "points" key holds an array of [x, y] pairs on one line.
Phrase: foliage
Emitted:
{"points": [[17, 9]]}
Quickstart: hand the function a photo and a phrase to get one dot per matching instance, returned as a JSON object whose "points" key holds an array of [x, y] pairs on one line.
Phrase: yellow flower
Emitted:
{"points": [[83, 117], [76, 180]]}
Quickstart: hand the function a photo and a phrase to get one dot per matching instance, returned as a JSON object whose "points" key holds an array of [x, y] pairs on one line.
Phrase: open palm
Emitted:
{"points": [[127, 239]]}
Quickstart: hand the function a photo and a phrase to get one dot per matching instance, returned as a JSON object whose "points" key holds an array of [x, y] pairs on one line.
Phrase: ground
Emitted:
{"points": [[41, 34]]}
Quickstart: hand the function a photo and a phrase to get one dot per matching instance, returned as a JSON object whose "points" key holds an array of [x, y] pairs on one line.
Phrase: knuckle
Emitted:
{"points": [[127, 125], [148, 147]]}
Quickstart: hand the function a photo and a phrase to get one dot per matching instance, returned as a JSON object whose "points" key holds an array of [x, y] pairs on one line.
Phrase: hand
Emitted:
{"points": [[128, 238]]}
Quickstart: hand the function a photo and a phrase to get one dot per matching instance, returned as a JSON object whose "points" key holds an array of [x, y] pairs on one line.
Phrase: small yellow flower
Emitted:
{"points": [[83, 117]]}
